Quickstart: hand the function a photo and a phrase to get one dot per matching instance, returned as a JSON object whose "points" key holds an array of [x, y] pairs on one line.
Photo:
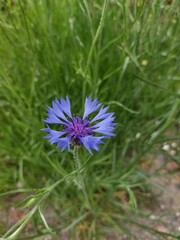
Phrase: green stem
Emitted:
{"points": [[79, 176], [101, 23]]}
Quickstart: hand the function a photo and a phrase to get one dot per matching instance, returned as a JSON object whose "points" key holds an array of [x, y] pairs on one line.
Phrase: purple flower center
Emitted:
{"points": [[77, 128]]}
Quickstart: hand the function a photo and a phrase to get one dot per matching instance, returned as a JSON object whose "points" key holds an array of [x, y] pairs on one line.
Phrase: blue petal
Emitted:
{"points": [[105, 131], [91, 142], [58, 110], [101, 115], [108, 122], [106, 126], [90, 106], [53, 135], [66, 106], [64, 143], [52, 118]]}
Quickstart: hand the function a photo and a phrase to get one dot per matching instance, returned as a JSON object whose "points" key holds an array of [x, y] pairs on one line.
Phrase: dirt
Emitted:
{"points": [[164, 212]]}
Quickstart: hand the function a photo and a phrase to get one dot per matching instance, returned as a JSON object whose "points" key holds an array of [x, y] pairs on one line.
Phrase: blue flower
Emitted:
{"points": [[79, 131]]}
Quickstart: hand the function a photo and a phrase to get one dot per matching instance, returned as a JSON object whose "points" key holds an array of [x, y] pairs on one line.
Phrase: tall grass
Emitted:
{"points": [[127, 54]]}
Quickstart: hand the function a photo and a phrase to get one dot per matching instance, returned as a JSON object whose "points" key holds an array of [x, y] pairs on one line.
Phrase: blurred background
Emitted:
{"points": [[126, 54]]}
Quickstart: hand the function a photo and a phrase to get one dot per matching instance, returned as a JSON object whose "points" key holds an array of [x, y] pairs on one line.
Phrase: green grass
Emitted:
{"points": [[127, 54]]}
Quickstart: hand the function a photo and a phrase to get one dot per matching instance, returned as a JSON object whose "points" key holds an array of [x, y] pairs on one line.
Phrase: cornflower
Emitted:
{"points": [[81, 130]]}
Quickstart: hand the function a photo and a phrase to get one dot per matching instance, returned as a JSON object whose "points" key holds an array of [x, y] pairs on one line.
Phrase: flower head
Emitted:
{"points": [[79, 131]]}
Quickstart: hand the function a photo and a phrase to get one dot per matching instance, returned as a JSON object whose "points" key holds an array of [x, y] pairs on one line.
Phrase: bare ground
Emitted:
{"points": [[164, 212]]}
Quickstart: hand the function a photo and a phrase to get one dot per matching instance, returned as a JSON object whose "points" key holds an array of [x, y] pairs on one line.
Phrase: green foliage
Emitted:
{"points": [[127, 54]]}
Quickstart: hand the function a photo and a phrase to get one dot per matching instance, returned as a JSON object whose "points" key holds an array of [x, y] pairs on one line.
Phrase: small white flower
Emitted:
{"points": [[138, 135], [174, 145], [173, 152], [166, 147]]}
